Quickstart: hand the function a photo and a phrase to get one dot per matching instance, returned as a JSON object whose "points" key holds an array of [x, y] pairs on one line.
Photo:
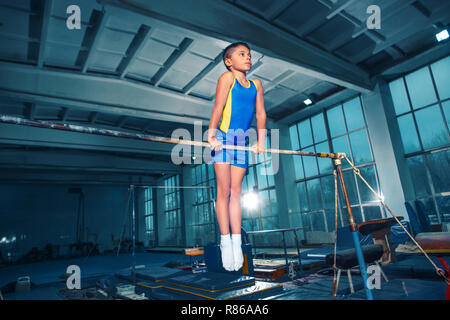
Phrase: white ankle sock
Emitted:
{"points": [[237, 251], [226, 248]]}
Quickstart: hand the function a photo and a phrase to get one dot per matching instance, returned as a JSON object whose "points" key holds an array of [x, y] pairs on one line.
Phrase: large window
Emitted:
{"points": [[341, 128], [149, 215], [203, 219], [422, 105], [172, 212], [259, 180]]}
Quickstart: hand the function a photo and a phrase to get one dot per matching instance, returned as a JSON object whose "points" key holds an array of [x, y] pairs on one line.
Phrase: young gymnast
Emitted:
{"points": [[237, 101]]}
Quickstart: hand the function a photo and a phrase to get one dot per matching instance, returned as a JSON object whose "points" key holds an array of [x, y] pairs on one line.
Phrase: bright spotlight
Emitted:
{"points": [[442, 35], [250, 200], [307, 102]]}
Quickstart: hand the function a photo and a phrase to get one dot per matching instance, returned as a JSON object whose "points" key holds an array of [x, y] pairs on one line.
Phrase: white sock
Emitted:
{"points": [[226, 249], [237, 251]]}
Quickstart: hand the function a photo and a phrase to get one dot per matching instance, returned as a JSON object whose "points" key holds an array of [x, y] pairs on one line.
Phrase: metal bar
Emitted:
{"points": [[353, 229], [275, 230], [119, 134], [298, 252], [285, 253], [133, 230]]}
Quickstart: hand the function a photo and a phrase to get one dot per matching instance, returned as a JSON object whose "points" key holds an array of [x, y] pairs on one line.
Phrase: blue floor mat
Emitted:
{"points": [[50, 271], [405, 289]]}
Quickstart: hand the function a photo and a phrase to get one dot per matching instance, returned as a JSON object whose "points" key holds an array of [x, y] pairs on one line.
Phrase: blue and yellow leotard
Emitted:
{"points": [[237, 117]]}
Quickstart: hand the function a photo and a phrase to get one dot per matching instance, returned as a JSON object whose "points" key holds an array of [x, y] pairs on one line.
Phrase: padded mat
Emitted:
{"points": [[405, 289], [153, 273], [212, 281]]}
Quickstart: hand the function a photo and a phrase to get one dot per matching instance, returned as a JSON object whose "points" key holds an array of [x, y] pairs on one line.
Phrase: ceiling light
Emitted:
{"points": [[442, 35], [307, 102]]}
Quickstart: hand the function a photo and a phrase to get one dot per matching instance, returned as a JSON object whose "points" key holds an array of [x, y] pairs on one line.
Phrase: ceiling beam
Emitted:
{"points": [[134, 50], [188, 88], [75, 160], [278, 7], [177, 54], [338, 7], [22, 176], [46, 14], [242, 25], [414, 26], [96, 93], [32, 136], [99, 94], [30, 110], [92, 36], [388, 13]]}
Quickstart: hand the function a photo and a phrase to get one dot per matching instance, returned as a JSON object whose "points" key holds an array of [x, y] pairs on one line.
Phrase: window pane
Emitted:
{"points": [[372, 213], [441, 74], [318, 221], [318, 127], [444, 208], [325, 164], [336, 121], [420, 88], [351, 188], [341, 145], [439, 164], [353, 114], [419, 176], [249, 225], [273, 202], [298, 166], [431, 127], [399, 97], [264, 203], [328, 191], [368, 173], [295, 220], [310, 163], [294, 137], [446, 107], [301, 191], [270, 178], [330, 216], [357, 217], [269, 223], [250, 178], [430, 209], [408, 133], [314, 194], [251, 158], [306, 220], [304, 131], [211, 171], [360, 147], [262, 178]]}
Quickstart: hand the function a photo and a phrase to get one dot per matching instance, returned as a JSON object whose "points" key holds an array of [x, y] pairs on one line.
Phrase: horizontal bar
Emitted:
{"points": [[105, 132]]}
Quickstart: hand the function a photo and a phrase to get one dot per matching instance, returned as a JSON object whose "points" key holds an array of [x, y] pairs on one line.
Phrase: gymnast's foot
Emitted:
{"points": [[226, 248], [237, 251]]}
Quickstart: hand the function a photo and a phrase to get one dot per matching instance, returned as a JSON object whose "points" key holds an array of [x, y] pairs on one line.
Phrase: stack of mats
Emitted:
{"points": [[172, 284]]}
